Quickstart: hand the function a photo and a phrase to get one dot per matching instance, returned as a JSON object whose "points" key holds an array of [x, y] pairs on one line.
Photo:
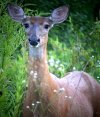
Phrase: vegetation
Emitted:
{"points": [[73, 45]]}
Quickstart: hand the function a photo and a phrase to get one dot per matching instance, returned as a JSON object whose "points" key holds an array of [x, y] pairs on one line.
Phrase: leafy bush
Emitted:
{"points": [[73, 50], [72, 46], [12, 67]]}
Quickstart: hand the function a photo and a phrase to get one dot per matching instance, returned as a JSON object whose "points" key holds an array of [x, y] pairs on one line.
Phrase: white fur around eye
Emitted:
{"points": [[46, 25], [27, 26]]}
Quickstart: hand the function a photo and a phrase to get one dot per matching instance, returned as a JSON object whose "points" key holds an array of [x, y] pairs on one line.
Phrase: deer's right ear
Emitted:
{"points": [[16, 12]]}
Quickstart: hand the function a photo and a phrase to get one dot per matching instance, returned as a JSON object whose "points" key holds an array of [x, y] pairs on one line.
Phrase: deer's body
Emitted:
{"points": [[81, 97], [75, 95]]}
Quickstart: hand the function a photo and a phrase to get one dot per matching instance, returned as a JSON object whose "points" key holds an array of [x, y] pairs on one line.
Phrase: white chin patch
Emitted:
{"points": [[36, 51], [37, 45]]}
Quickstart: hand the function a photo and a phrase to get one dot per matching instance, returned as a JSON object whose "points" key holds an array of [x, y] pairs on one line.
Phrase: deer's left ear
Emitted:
{"points": [[16, 12], [60, 14]]}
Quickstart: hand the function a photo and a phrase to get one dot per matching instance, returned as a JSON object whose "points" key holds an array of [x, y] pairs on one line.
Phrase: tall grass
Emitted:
{"points": [[70, 47], [12, 67]]}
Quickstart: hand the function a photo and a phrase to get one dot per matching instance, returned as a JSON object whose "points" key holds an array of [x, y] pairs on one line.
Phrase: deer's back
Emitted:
{"points": [[84, 93]]}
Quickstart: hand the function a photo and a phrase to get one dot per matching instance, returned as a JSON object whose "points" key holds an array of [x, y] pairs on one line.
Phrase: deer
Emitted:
{"points": [[75, 95]]}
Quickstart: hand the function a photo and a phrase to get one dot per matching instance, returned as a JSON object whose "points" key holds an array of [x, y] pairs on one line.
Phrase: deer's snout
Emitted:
{"points": [[34, 42]]}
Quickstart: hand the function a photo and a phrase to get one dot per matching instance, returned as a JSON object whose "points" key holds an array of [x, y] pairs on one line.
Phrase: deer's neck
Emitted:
{"points": [[38, 67], [38, 62], [41, 83]]}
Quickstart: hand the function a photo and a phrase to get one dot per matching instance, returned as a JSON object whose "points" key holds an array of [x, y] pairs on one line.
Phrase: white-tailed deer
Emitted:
{"points": [[75, 95]]}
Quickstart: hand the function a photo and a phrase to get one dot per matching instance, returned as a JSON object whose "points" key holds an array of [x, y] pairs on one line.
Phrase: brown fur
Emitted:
{"points": [[83, 90]]}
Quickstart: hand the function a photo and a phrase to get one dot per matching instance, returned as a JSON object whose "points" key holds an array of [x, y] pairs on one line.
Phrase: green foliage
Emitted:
{"points": [[12, 67], [72, 51], [73, 45]]}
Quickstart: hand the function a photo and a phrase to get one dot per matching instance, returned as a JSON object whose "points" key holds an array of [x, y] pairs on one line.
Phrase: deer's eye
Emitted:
{"points": [[26, 25], [46, 26]]}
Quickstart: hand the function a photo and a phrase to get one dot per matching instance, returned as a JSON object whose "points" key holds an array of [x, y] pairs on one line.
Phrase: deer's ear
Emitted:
{"points": [[16, 12], [60, 14]]}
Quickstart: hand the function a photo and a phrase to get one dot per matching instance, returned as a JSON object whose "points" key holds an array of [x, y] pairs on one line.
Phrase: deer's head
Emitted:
{"points": [[37, 27]]}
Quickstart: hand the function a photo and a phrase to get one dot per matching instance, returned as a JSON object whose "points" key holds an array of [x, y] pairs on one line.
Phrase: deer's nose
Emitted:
{"points": [[34, 42]]}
